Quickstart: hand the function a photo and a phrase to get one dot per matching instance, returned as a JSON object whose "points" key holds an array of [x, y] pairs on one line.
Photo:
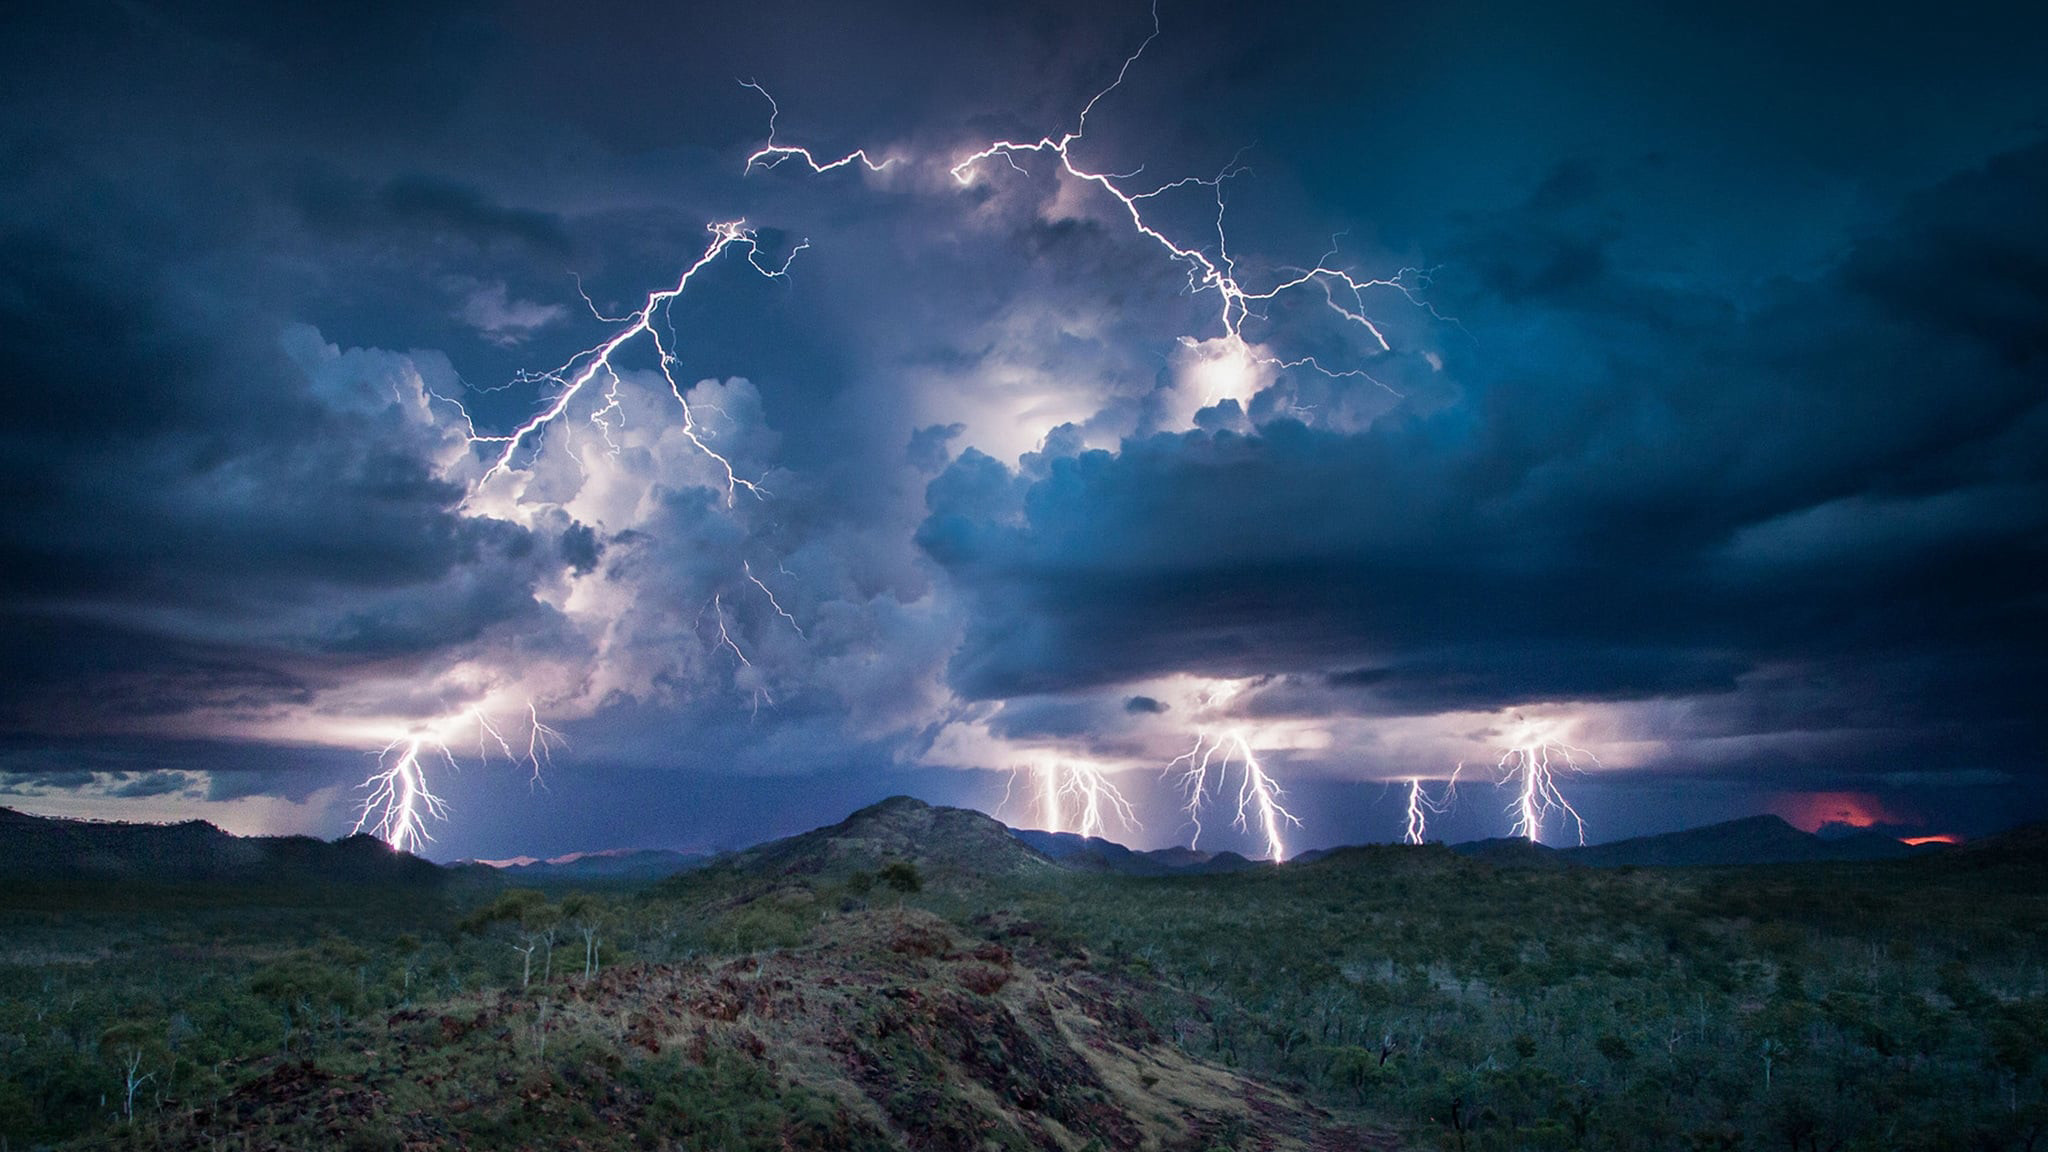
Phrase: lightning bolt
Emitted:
{"points": [[1095, 799], [1258, 794], [1210, 271], [1209, 268], [772, 601], [1533, 766], [397, 801], [1421, 807], [725, 640], [595, 363], [772, 155]]}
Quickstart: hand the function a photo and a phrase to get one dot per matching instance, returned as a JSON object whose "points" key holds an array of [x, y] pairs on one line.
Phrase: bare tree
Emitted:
{"points": [[526, 972], [133, 1082]]}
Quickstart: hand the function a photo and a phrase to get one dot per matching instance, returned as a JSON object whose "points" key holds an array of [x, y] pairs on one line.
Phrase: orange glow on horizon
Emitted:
{"points": [[1944, 838], [1808, 811]]}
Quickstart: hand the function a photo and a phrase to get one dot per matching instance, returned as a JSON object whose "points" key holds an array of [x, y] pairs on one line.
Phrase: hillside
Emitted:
{"points": [[1095, 854], [888, 1031], [52, 849], [938, 841], [796, 997], [1754, 840]]}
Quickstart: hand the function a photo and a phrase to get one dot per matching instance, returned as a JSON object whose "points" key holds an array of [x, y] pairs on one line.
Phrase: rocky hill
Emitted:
{"points": [[942, 842], [893, 1030]]}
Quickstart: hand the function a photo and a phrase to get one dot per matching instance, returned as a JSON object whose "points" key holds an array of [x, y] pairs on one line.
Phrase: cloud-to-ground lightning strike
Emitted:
{"points": [[580, 370], [1095, 800], [1258, 794], [1533, 766], [1421, 807], [398, 802]]}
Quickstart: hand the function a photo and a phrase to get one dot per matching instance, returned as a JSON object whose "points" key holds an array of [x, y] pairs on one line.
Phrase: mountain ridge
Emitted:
{"points": [[195, 851], [934, 838]]}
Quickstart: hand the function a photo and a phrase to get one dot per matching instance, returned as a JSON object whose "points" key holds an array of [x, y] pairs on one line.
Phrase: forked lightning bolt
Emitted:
{"points": [[1533, 768], [1421, 807], [398, 802], [1207, 270], [1258, 794], [1343, 292], [595, 363], [1093, 797], [773, 155]]}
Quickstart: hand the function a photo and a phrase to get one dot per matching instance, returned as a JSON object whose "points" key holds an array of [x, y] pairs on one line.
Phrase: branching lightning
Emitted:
{"points": [[1533, 766], [1258, 794], [1084, 787], [773, 155], [595, 363], [1421, 807], [1210, 270], [398, 802]]}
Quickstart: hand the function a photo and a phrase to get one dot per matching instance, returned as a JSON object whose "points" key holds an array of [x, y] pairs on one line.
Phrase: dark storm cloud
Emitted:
{"points": [[197, 496], [414, 205], [150, 784], [1728, 417], [1647, 492]]}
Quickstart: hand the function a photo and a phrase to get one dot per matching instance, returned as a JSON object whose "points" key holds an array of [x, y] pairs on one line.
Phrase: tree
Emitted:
{"points": [[901, 875], [588, 915], [128, 1041]]}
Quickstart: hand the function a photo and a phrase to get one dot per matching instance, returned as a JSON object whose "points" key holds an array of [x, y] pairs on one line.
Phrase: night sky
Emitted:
{"points": [[1707, 437]]}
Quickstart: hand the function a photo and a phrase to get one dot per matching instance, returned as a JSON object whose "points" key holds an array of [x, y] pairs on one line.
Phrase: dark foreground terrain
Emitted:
{"points": [[918, 978]]}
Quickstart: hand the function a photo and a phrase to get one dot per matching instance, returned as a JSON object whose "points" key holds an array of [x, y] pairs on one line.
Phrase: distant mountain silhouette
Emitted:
{"points": [[2018, 856], [1095, 854], [624, 865], [1732, 844], [1754, 840], [941, 842], [51, 848], [1511, 852]]}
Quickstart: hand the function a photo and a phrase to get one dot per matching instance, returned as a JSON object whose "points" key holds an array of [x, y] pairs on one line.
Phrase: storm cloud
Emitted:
{"points": [[1708, 419]]}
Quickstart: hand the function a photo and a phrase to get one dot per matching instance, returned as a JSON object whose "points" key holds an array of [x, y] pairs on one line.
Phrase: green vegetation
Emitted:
{"points": [[1816, 1007], [850, 997]]}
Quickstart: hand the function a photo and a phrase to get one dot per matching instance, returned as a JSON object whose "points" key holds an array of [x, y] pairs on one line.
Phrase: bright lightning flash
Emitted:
{"points": [[1421, 807], [1533, 765], [1084, 787], [1211, 270], [595, 363], [1258, 794], [398, 803]]}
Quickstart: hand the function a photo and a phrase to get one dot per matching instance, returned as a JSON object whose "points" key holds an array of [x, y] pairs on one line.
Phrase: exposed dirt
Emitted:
{"points": [[896, 1030]]}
